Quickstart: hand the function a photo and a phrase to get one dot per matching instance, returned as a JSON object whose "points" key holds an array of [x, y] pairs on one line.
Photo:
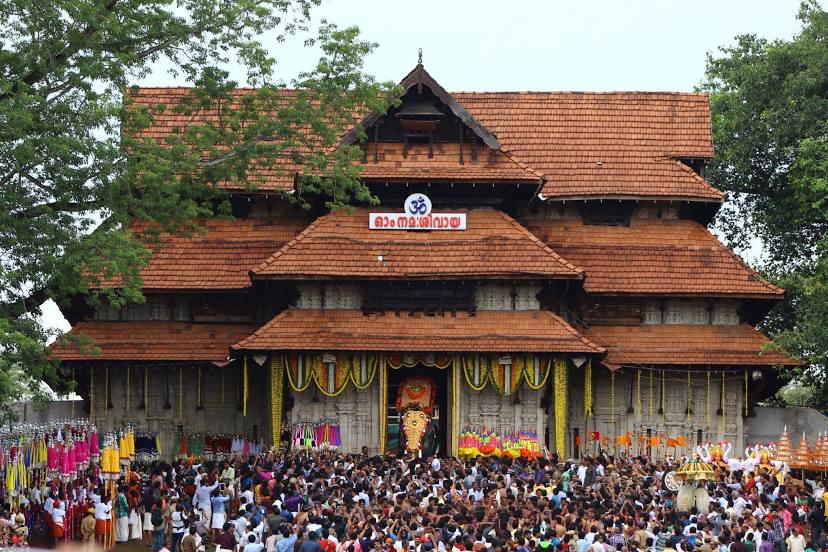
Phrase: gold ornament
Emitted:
{"points": [[277, 369], [561, 389]]}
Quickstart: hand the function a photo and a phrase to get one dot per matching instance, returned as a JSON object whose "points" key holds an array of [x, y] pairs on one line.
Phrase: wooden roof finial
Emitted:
{"points": [[419, 56]]}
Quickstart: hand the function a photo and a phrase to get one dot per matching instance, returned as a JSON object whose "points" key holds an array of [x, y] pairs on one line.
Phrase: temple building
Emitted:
{"points": [[539, 265]]}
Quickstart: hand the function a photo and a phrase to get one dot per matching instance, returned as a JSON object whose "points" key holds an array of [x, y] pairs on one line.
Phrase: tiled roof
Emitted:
{"points": [[685, 344], [218, 257], [652, 256], [585, 144], [351, 330], [491, 166], [340, 245], [153, 340], [616, 144]]}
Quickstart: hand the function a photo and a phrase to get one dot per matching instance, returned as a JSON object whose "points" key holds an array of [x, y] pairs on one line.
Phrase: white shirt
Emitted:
{"points": [[435, 464], [102, 511]]}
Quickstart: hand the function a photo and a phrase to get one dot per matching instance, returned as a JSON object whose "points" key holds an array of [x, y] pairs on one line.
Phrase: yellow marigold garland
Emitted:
{"points": [[588, 389], [307, 366], [723, 405], [383, 393], [746, 395], [455, 405], [708, 399], [661, 402], [651, 392], [638, 392], [561, 390], [371, 362], [689, 394], [342, 375], [528, 371], [244, 389], [468, 367], [276, 399], [180, 391]]}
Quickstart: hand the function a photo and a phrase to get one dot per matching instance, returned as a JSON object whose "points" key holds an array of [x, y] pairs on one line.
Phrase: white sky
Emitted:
{"points": [[647, 45]]}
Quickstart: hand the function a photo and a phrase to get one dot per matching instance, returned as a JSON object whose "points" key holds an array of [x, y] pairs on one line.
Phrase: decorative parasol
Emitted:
{"points": [[695, 470], [815, 457], [801, 457], [784, 448]]}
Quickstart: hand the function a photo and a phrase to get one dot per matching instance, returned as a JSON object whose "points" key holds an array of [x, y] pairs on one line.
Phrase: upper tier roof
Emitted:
{"points": [[340, 245], [652, 257], [584, 144], [217, 256]]}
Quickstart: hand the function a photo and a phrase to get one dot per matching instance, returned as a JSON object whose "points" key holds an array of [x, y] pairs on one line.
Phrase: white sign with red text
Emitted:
{"points": [[417, 215]]}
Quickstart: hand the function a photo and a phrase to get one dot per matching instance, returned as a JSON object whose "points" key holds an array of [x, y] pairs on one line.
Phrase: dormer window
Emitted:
{"points": [[419, 117]]}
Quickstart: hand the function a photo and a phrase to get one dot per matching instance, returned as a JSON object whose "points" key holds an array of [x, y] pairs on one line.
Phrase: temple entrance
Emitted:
{"points": [[439, 415]]}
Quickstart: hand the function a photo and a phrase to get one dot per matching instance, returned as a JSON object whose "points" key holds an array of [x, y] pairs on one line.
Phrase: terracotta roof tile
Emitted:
{"points": [[154, 340], [351, 330], [652, 256], [218, 257], [585, 144], [685, 344], [444, 165], [341, 245]]}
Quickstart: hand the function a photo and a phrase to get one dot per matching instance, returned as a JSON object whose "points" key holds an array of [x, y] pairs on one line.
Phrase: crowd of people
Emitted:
{"points": [[360, 503]]}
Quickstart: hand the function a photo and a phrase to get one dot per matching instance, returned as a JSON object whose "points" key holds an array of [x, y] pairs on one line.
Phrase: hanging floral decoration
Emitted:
{"points": [[432, 360], [245, 387], [535, 370], [332, 377], [181, 392], [638, 391], [723, 404], [476, 370], [561, 399], [277, 369], [92, 394], [299, 368], [199, 394], [363, 369], [505, 377], [612, 398], [588, 410], [708, 397], [383, 407], [746, 394], [689, 395], [661, 408], [651, 392]]}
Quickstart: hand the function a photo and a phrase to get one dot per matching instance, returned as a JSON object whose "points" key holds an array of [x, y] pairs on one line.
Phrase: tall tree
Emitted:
{"points": [[770, 129], [68, 189]]}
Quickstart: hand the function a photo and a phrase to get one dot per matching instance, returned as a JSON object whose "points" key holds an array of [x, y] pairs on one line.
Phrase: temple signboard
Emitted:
{"points": [[417, 215]]}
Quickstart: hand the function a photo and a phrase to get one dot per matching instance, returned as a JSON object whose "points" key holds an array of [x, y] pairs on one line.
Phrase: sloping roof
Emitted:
{"points": [[685, 344], [351, 330], [340, 245], [154, 340], [612, 144], [652, 256], [491, 165], [218, 257]]}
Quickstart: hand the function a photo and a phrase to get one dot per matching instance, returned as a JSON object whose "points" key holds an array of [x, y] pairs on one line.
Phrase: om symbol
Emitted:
{"points": [[418, 204]]}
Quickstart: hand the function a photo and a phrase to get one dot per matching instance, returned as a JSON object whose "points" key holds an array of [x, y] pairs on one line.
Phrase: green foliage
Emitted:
{"points": [[68, 189], [770, 129]]}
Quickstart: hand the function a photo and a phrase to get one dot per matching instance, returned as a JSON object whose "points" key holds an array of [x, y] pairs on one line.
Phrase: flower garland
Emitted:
{"points": [[746, 394], [651, 392], [612, 398], [544, 368], [638, 392], [341, 376], [723, 405], [276, 391], [146, 389], [92, 394], [299, 363], [244, 389], [588, 389], [482, 371], [181, 392], [497, 375], [106, 389], [708, 398], [689, 395], [455, 406], [661, 399], [561, 389], [199, 401], [383, 393], [369, 363], [127, 389]]}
